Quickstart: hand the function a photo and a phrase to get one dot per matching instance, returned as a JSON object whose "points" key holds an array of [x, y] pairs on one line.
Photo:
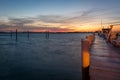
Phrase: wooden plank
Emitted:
{"points": [[105, 61]]}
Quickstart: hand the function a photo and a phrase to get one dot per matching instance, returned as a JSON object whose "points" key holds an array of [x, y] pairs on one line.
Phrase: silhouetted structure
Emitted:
{"points": [[28, 35], [11, 34], [47, 35], [16, 35]]}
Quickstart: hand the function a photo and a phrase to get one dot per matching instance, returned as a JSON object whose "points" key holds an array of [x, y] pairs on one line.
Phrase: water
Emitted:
{"points": [[56, 58]]}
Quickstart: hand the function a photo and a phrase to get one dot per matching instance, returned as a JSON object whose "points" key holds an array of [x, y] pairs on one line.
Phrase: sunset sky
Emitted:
{"points": [[58, 15]]}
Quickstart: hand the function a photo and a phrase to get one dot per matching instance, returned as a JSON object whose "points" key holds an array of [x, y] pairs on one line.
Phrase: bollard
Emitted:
{"points": [[85, 56]]}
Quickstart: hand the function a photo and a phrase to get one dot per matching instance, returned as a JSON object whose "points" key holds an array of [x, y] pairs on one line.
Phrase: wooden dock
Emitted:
{"points": [[105, 61]]}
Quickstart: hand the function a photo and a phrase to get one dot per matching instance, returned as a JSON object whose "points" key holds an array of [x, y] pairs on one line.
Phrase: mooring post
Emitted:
{"points": [[28, 35], [47, 34], [16, 35], [11, 34], [85, 56]]}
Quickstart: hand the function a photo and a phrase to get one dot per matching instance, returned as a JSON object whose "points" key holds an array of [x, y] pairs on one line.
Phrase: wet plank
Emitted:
{"points": [[105, 61]]}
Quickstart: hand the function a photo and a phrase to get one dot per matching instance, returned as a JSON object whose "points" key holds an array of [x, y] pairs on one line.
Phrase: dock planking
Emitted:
{"points": [[105, 61]]}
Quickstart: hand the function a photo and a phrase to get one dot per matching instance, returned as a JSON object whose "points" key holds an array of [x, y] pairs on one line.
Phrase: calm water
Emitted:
{"points": [[56, 58]]}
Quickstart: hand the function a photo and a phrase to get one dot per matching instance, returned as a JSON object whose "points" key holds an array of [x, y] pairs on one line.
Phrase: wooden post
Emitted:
{"points": [[11, 34], [16, 35], [90, 38], [47, 34], [85, 59], [28, 35]]}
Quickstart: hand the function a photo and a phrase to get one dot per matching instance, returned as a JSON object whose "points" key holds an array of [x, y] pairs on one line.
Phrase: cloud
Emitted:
{"points": [[68, 18], [66, 22], [20, 21], [52, 18], [8, 28]]}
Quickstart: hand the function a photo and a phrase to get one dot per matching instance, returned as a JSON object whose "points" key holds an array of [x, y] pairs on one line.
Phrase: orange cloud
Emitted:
{"points": [[82, 21]]}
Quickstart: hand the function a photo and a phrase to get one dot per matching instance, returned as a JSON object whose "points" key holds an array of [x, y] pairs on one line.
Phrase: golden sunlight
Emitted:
{"points": [[86, 59]]}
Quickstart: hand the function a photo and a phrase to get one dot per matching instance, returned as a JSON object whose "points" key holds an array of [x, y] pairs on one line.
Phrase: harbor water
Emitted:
{"points": [[38, 58]]}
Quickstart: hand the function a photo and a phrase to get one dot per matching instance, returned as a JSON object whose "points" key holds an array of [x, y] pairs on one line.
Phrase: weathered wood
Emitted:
{"points": [[105, 61], [85, 53]]}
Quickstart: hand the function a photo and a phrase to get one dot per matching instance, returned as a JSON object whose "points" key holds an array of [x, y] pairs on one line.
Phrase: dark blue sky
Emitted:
{"points": [[16, 8], [36, 7]]}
